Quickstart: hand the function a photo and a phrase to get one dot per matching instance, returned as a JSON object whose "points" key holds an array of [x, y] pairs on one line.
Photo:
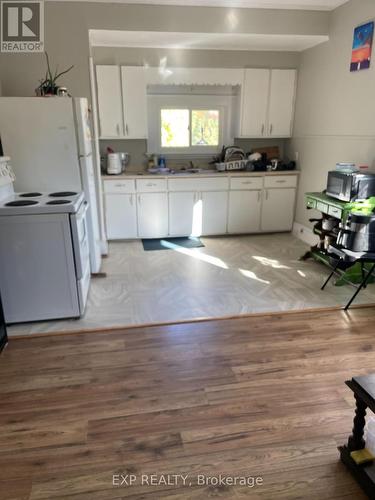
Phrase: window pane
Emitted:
{"points": [[205, 127], [174, 128]]}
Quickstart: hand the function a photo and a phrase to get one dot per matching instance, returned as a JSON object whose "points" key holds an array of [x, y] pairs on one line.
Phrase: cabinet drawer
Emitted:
{"points": [[246, 183], [278, 181], [322, 207], [119, 186], [199, 184], [310, 203], [335, 212], [151, 185]]}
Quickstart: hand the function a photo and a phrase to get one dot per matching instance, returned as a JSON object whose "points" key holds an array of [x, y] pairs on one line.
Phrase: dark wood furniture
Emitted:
{"points": [[364, 394]]}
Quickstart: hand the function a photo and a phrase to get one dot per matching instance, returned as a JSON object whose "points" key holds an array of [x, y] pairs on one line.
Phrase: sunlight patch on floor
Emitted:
{"points": [[209, 259], [253, 276], [275, 264]]}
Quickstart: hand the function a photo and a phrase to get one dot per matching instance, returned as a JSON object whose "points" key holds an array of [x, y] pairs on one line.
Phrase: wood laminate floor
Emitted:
{"points": [[252, 397], [229, 276]]}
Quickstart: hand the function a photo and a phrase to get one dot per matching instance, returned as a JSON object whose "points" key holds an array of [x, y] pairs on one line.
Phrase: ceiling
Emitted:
{"points": [[248, 4], [206, 41]]}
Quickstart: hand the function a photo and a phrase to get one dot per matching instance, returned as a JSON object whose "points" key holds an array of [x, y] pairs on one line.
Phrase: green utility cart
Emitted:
{"points": [[336, 209]]}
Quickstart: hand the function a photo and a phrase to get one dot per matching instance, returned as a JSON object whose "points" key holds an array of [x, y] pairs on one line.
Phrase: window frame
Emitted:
{"points": [[157, 102]]}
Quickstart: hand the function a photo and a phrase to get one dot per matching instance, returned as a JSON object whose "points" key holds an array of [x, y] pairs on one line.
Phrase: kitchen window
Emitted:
{"points": [[188, 125], [186, 128]]}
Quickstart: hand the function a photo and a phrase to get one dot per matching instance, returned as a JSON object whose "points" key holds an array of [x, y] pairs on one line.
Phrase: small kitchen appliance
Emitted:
{"points": [[358, 233], [350, 186], [116, 162]]}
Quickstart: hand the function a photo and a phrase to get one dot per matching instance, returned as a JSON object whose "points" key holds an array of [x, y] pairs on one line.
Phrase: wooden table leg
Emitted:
{"points": [[356, 441]]}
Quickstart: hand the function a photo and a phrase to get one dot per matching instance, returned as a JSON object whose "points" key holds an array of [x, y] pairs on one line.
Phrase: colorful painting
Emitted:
{"points": [[362, 47]]}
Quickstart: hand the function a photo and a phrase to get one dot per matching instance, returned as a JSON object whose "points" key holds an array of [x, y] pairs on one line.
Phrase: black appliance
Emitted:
{"points": [[3, 330], [358, 233], [350, 186]]}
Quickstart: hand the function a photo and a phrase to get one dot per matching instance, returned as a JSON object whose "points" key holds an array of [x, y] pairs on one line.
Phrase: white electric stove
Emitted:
{"points": [[57, 202], [44, 254]]}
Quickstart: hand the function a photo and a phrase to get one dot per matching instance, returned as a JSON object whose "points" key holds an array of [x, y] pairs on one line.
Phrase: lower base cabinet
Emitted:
{"points": [[183, 214], [121, 216], [214, 212], [244, 211], [133, 214], [278, 210], [152, 215]]}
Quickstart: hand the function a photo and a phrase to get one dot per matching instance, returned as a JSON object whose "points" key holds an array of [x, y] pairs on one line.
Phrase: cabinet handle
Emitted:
{"points": [[259, 197], [282, 181], [263, 129], [271, 128], [266, 194], [118, 129], [139, 199], [127, 129]]}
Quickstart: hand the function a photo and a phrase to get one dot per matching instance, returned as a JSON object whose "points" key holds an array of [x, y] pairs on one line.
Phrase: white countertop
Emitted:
{"points": [[208, 173]]}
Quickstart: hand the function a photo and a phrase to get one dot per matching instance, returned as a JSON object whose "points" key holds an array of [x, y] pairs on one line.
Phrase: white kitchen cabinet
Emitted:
{"points": [[278, 209], [267, 102], [281, 106], [214, 207], [152, 215], [184, 214], [254, 103], [109, 101], [134, 101], [121, 216], [244, 211]]}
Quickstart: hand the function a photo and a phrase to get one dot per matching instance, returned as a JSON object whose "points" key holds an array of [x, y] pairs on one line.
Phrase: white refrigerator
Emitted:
{"points": [[50, 144]]}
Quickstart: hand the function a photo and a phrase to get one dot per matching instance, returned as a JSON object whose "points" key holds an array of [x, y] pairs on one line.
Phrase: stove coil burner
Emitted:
{"points": [[58, 202], [30, 195], [62, 194], [21, 203]]}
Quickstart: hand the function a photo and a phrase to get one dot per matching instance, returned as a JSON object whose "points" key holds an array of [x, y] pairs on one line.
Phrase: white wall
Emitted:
{"points": [[335, 109]]}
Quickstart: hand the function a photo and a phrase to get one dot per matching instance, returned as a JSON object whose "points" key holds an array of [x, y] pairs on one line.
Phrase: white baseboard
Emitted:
{"points": [[305, 234]]}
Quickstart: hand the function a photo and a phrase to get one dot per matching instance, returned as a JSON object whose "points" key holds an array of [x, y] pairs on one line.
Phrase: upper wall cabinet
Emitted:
{"points": [[134, 100], [109, 101], [254, 103], [281, 107], [267, 104]]}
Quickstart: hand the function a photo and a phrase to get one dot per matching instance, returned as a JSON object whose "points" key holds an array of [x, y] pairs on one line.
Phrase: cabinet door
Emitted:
{"points": [[255, 92], [214, 205], [121, 216], [244, 211], [152, 215], [281, 109], [185, 214], [278, 210], [109, 101], [134, 99]]}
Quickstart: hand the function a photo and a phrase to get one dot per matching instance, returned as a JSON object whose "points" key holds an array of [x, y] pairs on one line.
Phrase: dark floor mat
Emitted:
{"points": [[171, 243]]}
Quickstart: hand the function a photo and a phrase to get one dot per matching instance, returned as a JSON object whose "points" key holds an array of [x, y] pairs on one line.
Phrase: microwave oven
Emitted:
{"points": [[350, 186]]}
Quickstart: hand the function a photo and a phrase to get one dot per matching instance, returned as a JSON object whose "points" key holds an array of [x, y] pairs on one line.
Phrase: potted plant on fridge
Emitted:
{"points": [[48, 85]]}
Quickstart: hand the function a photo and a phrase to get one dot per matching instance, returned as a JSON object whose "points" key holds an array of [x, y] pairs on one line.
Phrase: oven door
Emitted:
{"points": [[3, 330], [339, 185], [78, 224]]}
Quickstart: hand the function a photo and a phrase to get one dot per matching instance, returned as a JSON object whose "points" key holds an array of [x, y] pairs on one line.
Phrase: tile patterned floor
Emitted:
{"points": [[229, 276]]}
